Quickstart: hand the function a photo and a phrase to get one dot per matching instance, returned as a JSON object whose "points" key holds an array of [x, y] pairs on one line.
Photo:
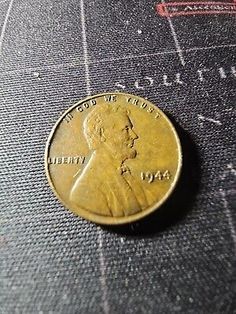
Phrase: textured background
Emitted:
{"points": [[181, 259]]}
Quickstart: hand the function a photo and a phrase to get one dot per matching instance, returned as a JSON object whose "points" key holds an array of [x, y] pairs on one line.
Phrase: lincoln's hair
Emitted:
{"points": [[100, 118]]}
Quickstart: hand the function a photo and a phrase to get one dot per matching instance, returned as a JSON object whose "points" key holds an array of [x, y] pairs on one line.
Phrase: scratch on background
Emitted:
{"points": [[4, 27], [202, 118], [230, 170]]}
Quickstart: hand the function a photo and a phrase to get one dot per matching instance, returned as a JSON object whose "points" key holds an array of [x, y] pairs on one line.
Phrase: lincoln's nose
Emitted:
{"points": [[133, 135]]}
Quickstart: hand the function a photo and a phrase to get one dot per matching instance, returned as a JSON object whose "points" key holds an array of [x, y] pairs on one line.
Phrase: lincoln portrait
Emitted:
{"points": [[106, 185]]}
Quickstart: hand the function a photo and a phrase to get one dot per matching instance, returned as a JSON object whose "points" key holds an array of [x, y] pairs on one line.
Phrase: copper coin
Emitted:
{"points": [[113, 158]]}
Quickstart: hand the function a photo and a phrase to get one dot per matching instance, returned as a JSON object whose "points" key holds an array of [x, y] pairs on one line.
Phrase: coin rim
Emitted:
{"points": [[104, 220]]}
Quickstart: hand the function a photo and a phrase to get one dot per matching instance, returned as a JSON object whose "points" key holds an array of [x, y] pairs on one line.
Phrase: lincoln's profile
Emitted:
{"points": [[106, 185]]}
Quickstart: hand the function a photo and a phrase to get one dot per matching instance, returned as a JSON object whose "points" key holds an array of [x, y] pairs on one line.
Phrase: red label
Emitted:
{"points": [[193, 8]]}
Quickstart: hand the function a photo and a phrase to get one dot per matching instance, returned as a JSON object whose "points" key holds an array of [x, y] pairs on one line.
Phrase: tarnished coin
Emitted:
{"points": [[113, 158]]}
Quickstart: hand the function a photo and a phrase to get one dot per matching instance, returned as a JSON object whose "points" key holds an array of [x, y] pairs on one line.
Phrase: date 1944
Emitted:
{"points": [[151, 176]]}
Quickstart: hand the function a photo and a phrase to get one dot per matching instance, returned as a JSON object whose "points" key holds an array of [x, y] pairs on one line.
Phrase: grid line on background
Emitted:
{"points": [[175, 38], [229, 217], [85, 48], [102, 267], [91, 62]]}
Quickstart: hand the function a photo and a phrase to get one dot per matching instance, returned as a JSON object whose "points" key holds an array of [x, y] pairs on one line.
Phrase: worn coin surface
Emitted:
{"points": [[113, 158]]}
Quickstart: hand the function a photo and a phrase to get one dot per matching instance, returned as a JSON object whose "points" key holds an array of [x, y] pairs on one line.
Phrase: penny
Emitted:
{"points": [[113, 158]]}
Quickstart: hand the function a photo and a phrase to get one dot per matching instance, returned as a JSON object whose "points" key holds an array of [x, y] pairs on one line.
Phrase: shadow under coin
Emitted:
{"points": [[179, 203]]}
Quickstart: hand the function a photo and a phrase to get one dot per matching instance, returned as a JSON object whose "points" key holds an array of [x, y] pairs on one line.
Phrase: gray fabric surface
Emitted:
{"points": [[182, 258]]}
